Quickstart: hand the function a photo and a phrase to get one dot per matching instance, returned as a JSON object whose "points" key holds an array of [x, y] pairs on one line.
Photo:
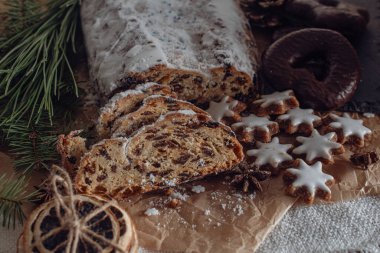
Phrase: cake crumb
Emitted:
{"points": [[198, 189], [207, 212], [152, 212]]}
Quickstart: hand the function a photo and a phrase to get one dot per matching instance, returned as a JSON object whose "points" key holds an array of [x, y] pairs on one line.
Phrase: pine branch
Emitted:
{"points": [[34, 66], [21, 14], [33, 147], [13, 196]]}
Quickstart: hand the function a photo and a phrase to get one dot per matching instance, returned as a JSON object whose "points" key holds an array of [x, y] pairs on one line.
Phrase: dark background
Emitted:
{"points": [[367, 97]]}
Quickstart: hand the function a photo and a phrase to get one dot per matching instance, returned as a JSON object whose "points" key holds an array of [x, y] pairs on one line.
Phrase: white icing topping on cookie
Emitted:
{"points": [[272, 153], [316, 146], [252, 122], [274, 98], [219, 110], [299, 116], [369, 115], [311, 177], [350, 126]]}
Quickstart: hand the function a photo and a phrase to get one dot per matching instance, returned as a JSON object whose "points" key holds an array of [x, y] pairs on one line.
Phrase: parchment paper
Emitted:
{"points": [[190, 229], [222, 219]]}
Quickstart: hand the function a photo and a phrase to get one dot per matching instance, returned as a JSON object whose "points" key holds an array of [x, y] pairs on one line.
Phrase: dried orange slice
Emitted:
{"points": [[98, 226]]}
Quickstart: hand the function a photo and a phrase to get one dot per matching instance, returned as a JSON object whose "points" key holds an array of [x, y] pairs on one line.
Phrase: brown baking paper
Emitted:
{"points": [[202, 225], [222, 219]]}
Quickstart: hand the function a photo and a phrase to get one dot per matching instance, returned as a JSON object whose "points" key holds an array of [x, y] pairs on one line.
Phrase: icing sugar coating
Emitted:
{"points": [[252, 121], [311, 176], [350, 126], [219, 110], [184, 112], [124, 36], [272, 153], [139, 89], [299, 116], [316, 146], [274, 98]]}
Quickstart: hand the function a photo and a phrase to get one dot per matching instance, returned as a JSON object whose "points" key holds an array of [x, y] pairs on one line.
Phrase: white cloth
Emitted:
{"points": [[342, 227]]}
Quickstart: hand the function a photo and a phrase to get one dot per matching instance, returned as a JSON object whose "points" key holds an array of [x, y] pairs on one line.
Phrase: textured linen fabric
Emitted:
{"points": [[342, 227], [8, 239]]}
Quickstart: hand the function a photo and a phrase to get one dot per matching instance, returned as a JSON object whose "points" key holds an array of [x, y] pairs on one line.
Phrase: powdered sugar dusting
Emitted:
{"points": [[198, 189], [135, 35], [152, 212]]}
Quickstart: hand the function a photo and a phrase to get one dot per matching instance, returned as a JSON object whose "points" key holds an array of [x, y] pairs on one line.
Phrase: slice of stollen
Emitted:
{"points": [[179, 147], [152, 108], [125, 102]]}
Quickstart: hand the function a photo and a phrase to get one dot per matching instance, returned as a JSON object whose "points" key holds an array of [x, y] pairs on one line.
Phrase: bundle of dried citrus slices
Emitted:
{"points": [[77, 223]]}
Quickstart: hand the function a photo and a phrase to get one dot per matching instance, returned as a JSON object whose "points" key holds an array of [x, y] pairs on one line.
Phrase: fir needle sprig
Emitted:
{"points": [[33, 147], [34, 65], [13, 195]]}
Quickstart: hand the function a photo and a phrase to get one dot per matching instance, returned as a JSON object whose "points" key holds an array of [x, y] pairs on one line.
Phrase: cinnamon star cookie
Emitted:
{"points": [[318, 147], [252, 128], [308, 181]]}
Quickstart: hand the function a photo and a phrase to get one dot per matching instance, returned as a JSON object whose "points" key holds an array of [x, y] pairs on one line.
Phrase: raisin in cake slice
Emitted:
{"points": [[178, 147], [71, 148], [126, 102], [204, 49], [153, 107]]}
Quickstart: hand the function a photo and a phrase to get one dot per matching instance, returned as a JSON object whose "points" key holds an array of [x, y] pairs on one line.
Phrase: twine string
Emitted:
{"points": [[63, 196]]}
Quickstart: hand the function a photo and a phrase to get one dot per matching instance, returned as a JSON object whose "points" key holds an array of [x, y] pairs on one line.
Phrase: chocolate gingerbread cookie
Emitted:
{"points": [[319, 65]]}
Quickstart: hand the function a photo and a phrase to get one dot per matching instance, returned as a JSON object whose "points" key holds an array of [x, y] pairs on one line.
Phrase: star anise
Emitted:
{"points": [[248, 177], [364, 160]]}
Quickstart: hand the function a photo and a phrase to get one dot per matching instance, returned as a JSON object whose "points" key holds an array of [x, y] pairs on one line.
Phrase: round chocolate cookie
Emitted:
{"points": [[346, 18], [319, 65]]}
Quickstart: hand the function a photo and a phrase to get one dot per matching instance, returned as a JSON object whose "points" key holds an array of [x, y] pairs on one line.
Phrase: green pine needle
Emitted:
{"points": [[13, 195], [34, 65], [33, 147], [21, 14]]}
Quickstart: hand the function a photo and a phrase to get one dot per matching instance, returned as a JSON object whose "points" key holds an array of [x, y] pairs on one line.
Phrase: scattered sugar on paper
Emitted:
{"points": [[198, 189], [238, 209], [180, 196], [152, 212]]}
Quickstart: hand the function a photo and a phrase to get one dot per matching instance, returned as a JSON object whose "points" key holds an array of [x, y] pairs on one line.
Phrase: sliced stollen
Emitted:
{"points": [[179, 147], [71, 148], [153, 107], [126, 102], [203, 49]]}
